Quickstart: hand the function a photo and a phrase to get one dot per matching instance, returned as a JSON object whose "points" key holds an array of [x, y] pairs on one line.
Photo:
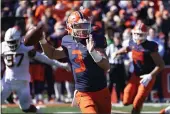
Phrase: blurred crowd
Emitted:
{"points": [[114, 18]]}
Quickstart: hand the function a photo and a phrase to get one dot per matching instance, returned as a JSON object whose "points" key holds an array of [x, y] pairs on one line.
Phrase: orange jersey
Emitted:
{"points": [[142, 60]]}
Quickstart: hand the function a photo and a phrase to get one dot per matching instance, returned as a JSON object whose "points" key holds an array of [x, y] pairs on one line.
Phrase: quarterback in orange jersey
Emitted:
{"points": [[85, 52], [147, 64]]}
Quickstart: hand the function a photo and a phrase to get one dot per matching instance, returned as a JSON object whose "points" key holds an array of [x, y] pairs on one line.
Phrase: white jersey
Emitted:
{"points": [[16, 62]]}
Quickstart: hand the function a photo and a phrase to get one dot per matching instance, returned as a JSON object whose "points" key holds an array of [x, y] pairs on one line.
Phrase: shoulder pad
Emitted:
{"points": [[67, 40]]}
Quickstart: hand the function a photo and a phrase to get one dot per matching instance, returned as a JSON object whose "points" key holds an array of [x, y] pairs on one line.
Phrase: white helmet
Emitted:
{"points": [[139, 33], [13, 38]]}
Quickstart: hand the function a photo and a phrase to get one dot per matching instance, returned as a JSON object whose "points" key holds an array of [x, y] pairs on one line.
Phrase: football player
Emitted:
{"points": [[16, 76], [147, 64], [85, 51]]}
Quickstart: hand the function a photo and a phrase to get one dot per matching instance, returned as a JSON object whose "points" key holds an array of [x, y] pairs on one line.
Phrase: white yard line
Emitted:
{"points": [[156, 104], [145, 104], [150, 112], [119, 112]]}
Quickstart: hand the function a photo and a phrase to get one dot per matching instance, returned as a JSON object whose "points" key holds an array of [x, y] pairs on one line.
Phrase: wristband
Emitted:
{"points": [[96, 56]]}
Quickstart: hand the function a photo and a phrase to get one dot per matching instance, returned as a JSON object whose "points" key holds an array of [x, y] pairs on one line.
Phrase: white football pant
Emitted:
{"points": [[22, 89]]}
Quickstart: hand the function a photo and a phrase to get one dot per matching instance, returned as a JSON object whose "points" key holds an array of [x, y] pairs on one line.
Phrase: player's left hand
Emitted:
{"points": [[145, 79], [90, 44]]}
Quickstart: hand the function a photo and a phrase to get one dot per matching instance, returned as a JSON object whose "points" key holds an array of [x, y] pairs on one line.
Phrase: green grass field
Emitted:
{"points": [[58, 108]]}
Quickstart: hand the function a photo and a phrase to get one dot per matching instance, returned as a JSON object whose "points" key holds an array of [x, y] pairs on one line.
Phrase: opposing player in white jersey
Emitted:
{"points": [[16, 76]]}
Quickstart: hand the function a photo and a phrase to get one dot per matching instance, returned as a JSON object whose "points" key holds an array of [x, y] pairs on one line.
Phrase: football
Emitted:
{"points": [[33, 35]]}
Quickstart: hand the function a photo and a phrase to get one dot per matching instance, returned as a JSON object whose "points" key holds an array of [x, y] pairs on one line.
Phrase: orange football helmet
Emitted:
{"points": [[78, 25], [139, 33]]}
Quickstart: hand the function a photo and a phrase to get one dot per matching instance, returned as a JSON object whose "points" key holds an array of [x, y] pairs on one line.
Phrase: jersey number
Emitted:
{"points": [[10, 59], [79, 60]]}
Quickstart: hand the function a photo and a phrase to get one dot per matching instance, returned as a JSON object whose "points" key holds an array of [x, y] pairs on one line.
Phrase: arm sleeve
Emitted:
{"points": [[44, 59], [40, 57]]}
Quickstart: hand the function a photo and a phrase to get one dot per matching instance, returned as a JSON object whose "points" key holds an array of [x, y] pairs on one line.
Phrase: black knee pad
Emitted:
{"points": [[32, 108]]}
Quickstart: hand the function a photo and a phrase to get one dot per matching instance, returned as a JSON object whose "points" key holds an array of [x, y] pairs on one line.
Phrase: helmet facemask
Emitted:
{"points": [[139, 33], [81, 30], [13, 38], [13, 44], [139, 37]]}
